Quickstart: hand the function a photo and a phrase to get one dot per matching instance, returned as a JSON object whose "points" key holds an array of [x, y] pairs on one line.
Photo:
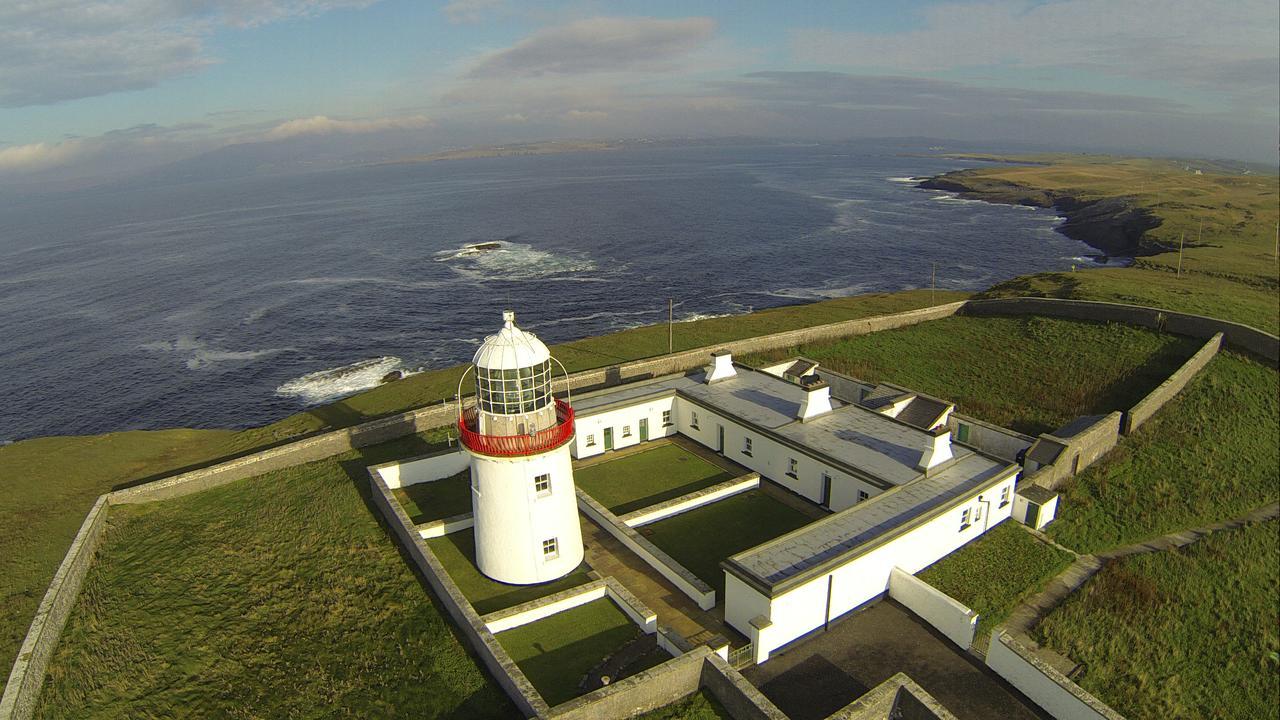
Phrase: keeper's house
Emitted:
{"points": [[901, 492]]}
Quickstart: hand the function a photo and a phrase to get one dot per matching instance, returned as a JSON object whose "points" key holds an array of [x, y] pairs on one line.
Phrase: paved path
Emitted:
{"points": [[675, 610]]}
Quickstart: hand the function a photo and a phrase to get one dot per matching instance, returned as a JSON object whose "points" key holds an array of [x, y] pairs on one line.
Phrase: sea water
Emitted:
{"points": [[235, 303]]}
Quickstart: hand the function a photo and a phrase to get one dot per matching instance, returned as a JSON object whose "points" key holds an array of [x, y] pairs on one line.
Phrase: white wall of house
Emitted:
{"points": [[810, 605], [428, 469], [625, 423]]}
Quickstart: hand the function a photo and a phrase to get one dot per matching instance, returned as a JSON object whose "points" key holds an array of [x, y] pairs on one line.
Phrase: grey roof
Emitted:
{"points": [[923, 412], [866, 440], [800, 368], [884, 394], [1045, 450], [1037, 494], [843, 535]]}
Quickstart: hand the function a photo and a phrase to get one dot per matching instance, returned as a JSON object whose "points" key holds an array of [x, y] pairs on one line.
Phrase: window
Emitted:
{"points": [[693, 421], [510, 392], [962, 432], [666, 418], [792, 466], [964, 519], [550, 549], [746, 446], [1004, 495], [542, 484], [862, 495], [626, 431], [591, 440]]}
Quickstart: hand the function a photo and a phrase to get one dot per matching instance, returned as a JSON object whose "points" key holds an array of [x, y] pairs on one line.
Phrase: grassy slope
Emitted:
{"points": [[646, 478], [996, 572], [1209, 455], [48, 484], [1030, 374], [278, 596], [1185, 633]]}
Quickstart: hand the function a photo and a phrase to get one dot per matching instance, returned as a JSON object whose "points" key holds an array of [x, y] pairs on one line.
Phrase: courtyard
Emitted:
{"points": [[651, 473]]}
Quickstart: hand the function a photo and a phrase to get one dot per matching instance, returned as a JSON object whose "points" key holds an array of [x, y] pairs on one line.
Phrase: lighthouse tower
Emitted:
{"points": [[518, 433]]}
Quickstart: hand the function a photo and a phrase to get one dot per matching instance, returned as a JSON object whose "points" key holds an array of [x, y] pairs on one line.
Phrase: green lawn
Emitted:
{"points": [[436, 500], [701, 705], [457, 552], [700, 539], [558, 651], [1209, 455], [636, 481], [994, 573], [1188, 633], [277, 596], [1031, 374]]}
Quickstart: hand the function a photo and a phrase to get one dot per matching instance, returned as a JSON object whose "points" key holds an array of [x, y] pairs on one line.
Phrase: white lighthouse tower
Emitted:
{"points": [[518, 433]]}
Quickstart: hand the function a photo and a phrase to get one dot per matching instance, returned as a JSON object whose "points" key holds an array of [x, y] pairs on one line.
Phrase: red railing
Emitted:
{"points": [[516, 445]]}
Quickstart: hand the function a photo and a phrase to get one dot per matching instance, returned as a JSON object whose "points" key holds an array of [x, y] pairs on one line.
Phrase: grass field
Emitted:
{"points": [[457, 552], [1187, 633], [558, 651], [994, 573], [700, 539], [436, 500], [701, 705], [636, 481], [277, 596], [1209, 455], [1031, 374]]}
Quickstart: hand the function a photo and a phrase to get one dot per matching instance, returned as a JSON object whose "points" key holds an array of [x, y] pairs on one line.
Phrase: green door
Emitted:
{"points": [[644, 429], [1033, 514], [608, 439], [962, 432]]}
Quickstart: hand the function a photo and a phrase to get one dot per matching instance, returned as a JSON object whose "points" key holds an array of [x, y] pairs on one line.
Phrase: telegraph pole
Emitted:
{"points": [[933, 285], [671, 323], [1181, 237]]}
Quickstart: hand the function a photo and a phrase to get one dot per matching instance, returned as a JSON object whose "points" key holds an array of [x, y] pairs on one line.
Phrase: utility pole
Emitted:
{"points": [[933, 285], [1181, 237], [671, 324]]}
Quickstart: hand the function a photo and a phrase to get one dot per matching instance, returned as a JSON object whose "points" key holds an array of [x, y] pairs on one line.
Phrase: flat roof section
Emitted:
{"points": [[845, 535], [759, 398], [866, 440]]}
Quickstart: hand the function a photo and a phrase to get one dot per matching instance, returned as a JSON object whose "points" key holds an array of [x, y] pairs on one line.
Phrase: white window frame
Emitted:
{"points": [[666, 418], [591, 440], [863, 495], [1004, 495], [693, 421], [746, 446], [550, 548], [626, 431], [542, 484], [793, 467], [964, 520]]}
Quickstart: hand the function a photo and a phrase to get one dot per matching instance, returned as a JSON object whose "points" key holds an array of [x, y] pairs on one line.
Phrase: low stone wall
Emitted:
{"points": [[898, 698], [991, 439], [535, 610], [1083, 449], [1015, 660], [691, 501], [679, 575], [424, 468], [946, 614], [27, 676], [1237, 335], [742, 699], [1167, 390], [640, 693]]}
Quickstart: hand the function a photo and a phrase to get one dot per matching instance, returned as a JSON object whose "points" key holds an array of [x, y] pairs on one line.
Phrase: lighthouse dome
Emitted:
{"points": [[511, 348]]}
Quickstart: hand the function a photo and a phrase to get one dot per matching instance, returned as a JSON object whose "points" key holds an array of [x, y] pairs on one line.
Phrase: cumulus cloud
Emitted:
{"points": [[576, 115], [602, 44], [38, 156], [55, 50], [322, 125], [1231, 49]]}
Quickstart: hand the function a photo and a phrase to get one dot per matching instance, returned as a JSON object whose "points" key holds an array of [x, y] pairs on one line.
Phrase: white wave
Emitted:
{"points": [[691, 317], [506, 260], [325, 385], [953, 198], [201, 357], [826, 291], [614, 316], [903, 180]]}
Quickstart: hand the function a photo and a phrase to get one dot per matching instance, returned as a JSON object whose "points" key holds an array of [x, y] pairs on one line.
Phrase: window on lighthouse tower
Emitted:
{"points": [[550, 548]]}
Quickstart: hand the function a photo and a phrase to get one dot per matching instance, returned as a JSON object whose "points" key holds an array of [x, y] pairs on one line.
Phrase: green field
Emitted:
{"points": [[700, 539], [457, 552], [1187, 633], [1209, 455], [277, 596], [995, 572], [641, 479], [701, 705], [436, 500], [556, 652], [1031, 374]]}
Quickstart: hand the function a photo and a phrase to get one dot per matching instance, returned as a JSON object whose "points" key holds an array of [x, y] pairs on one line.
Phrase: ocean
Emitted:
{"points": [[234, 303]]}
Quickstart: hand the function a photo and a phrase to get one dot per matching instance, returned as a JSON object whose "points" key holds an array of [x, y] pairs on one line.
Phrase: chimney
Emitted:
{"points": [[817, 398], [939, 449], [721, 367]]}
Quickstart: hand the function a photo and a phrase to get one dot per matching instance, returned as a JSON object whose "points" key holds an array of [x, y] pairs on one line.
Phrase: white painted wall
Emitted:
{"points": [[1048, 511], [1049, 689], [591, 427], [512, 519], [533, 614], [440, 528], [692, 501], [428, 469], [947, 615], [805, 608]]}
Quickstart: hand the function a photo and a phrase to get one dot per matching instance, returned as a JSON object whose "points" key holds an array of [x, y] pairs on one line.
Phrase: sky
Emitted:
{"points": [[94, 87]]}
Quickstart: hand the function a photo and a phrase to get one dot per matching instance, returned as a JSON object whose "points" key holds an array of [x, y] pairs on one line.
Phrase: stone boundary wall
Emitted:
{"points": [[691, 501], [27, 676], [1082, 450], [495, 658], [1015, 660], [1167, 390], [1237, 335], [742, 699], [897, 697], [946, 614], [989, 438], [688, 583], [654, 688]]}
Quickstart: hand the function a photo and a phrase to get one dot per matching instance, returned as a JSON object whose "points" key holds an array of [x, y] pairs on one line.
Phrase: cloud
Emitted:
{"points": [[515, 118], [471, 11], [56, 50], [1228, 49], [39, 156], [598, 45], [322, 125], [585, 115]]}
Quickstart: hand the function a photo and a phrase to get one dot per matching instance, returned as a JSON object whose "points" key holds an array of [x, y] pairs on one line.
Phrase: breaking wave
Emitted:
{"points": [[506, 260], [201, 357], [326, 385], [903, 179]]}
